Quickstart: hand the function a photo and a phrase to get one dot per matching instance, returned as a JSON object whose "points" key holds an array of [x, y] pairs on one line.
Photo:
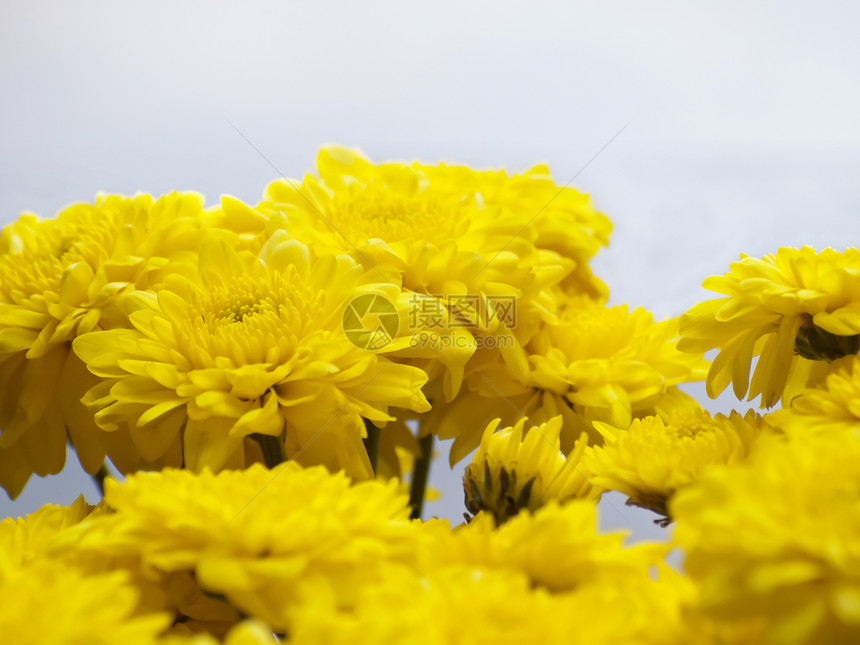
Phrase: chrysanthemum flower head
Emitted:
{"points": [[434, 228], [831, 406], [250, 345], [546, 577], [598, 363], [24, 539], [796, 310], [62, 278], [48, 599], [96, 545], [608, 364], [451, 605], [774, 538], [435, 222], [563, 219], [610, 360], [49, 602], [475, 605], [557, 547], [66, 272], [258, 536], [511, 472], [657, 456]]}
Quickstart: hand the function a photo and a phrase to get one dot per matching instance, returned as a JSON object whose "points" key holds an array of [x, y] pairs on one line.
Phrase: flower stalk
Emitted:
{"points": [[371, 443], [99, 478], [272, 449], [420, 473]]}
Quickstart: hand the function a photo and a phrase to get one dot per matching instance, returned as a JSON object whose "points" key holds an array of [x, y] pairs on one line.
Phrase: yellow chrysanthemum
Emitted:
{"points": [[833, 405], [510, 473], [503, 591], [796, 310], [775, 538], [75, 537], [448, 606], [645, 610], [24, 539], [598, 364], [52, 603], [442, 225], [557, 547], [436, 229], [610, 363], [258, 536], [658, 456], [564, 220], [251, 345], [62, 278]]}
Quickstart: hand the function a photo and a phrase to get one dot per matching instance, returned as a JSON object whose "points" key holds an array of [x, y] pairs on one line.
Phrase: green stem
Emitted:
{"points": [[99, 478], [371, 443], [420, 473], [272, 449]]}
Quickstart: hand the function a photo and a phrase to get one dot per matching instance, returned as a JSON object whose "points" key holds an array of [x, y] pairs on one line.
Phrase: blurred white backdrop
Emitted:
{"points": [[743, 130]]}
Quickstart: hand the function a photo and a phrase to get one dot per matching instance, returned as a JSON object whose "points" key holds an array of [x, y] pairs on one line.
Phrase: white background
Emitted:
{"points": [[743, 130]]}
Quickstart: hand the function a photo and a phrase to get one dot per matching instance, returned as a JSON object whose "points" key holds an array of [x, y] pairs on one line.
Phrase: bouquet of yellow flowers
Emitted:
{"points": [[267, 381]]}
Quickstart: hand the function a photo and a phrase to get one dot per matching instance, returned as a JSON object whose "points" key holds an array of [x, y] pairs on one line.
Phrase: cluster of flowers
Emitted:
{"points": [[254, 372]]}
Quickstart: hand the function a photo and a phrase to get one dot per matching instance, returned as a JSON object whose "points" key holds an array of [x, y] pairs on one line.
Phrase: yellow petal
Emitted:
{"points": [[264, 420], [75, 284]]}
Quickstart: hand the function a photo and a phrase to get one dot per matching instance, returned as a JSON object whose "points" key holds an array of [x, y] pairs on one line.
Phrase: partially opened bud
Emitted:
{"points": [[516, 470]]}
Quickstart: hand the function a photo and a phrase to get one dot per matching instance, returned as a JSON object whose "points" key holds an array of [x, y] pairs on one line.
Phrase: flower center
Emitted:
{"points": [[377, 212], [251, 320], [37, 252], [590, 330], [689, 426]]}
